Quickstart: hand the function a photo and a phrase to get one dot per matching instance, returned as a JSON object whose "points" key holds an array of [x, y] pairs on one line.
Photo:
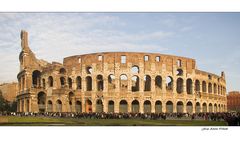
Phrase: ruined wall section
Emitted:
{"points": [[94, 80]]}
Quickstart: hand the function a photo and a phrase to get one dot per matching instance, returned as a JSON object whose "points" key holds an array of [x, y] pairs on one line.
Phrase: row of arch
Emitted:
{"points": [[204, 87], [134, 106]]}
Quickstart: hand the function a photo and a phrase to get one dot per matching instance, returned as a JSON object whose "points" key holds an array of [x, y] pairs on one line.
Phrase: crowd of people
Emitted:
{"points": [[232, 119]]}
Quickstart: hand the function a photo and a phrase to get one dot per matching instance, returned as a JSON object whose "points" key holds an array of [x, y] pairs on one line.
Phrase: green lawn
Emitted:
{"points": [[44, 121]]}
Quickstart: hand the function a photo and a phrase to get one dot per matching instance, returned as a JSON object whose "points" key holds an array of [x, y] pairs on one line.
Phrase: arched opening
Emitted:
{"points": [[204, 87], [135, 69], [62, 71], [50, 81], [147, 106], [99, 83], [215, 88], [179, 107], [223, 109], [59, 106], [169, 107], [70, 109], [89, 70], [179, 63], [210, 108], [49, 106], [219, 108], [204, 107], [99, 106], [179, 85], [62, 81], [189, 86], [123, 82], [89, 83], [209, 87], [158, 107], [123, 107], [135, 83], [43, 83], [179, 72], [79, 82], [198, 108], [147, 83], [197, 86], [158, 82], [78, 106], [215, 108], [111, 82], [169, 83], [70, 100], [41, 101], [135, 106], [189, 107], [209, 77], [111, 106], [70, 83], [36, 79], [88, 106]]}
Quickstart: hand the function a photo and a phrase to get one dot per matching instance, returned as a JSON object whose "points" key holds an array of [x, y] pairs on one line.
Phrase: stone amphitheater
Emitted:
{"points": [[117, 82]]}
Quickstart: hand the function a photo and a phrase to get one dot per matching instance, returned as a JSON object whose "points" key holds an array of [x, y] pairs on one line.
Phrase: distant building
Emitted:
{"points": [[233, 101], [9, 91]]}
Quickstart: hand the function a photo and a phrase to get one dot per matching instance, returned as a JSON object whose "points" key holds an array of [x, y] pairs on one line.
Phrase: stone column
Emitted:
{"points": [[207, 107], [83, 104], [25, 105], [84, 86], [201, 107], [174, 107], [94, 104], [141, 83], [129, 106], [22, 83], [194, 107], [129, 84], [153, 85], [25, 82], [20, 105], [193, 88], [94, 83], [152, 107], [116, 107], [141, 110], [74, 83], [105, 106], [30, 104], [184, 107], [117, 84], [164, 107], [105, 84]]}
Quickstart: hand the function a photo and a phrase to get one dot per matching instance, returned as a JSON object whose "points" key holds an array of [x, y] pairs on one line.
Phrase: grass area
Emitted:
{"points": [[45, 121]]}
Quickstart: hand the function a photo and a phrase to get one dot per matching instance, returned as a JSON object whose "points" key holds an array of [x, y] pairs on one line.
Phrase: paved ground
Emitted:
{"points": [[48, 121]]}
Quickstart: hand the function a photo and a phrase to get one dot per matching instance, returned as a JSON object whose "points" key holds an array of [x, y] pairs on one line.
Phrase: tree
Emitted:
{"points": [[6, 105]]}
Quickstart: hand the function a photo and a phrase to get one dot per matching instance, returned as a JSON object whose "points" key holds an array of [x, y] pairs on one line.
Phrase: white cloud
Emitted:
{"points": [[53, 36]]}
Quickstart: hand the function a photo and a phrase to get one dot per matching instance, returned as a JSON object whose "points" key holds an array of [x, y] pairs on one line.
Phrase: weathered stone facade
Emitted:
{"points": [[9, 91], [117, 82]]}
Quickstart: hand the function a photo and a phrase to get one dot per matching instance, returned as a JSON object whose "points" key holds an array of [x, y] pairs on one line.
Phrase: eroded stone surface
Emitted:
{"points": [[117, 82]]}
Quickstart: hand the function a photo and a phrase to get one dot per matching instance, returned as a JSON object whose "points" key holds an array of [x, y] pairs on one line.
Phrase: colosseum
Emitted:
{"points": [[117, 82]]}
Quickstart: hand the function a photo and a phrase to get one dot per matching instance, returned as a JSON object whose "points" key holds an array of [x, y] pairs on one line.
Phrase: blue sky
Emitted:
{"points": [[213, 39]]}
